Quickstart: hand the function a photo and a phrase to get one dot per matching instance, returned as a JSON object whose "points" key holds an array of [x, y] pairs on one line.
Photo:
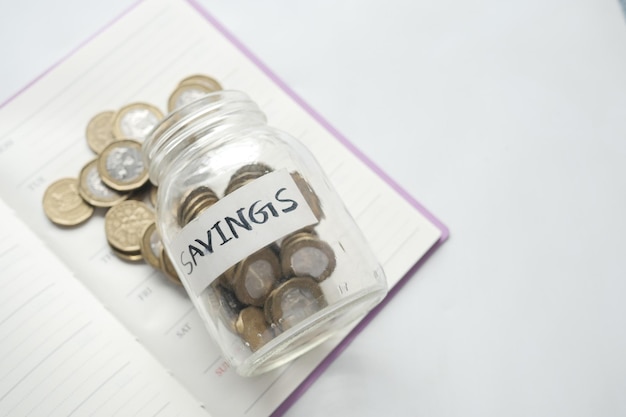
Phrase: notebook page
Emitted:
{"points": [[61, 353], [141, 58]]}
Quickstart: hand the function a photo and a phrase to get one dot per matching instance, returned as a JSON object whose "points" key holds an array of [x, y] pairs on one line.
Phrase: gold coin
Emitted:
{"points": [[136, 121], [127, 256], [125, 223], [294, 301], [253, 328], [255, 277], [309, 195], [229, 305], [196, 201], [99, 131], [63, 205], [202, 79], [94, 191], [307, 256], [151, 246], [168, 267], [121, 165]]}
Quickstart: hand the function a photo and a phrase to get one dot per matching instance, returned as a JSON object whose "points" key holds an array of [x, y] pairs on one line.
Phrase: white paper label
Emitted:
{"points": [[238, 225]]}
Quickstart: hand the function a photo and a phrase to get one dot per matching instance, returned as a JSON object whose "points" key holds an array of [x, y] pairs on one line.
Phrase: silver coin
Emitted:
{"points": [[124, 164], [96, 192], [121, 165]]}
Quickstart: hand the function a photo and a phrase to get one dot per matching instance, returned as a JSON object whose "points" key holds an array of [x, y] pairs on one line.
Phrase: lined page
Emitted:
{"points": [[142, 57], [61, 353]]}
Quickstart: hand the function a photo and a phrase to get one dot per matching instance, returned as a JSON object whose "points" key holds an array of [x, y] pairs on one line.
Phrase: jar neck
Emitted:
{"points": [[198, 124]]}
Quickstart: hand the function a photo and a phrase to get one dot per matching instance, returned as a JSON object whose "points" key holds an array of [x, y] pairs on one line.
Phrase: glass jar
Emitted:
{"points": [[262, 243]]}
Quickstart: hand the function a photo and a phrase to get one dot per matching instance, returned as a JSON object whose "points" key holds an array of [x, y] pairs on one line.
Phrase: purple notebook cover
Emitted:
{"points": [[444, 230]]}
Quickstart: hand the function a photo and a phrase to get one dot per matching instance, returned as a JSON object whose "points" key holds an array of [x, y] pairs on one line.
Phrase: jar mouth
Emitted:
{"points": [[183, 126]]}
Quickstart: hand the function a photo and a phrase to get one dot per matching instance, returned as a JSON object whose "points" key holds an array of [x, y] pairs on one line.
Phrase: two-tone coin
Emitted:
{"points": [[151, 246], [305, 255], [63, 204], [255, 277], [121, 165], [136, 121], [94, 191], [293, 301]]}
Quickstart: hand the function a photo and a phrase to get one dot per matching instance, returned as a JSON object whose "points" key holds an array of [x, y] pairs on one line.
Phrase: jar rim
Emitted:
{"points": [[208, 111]]}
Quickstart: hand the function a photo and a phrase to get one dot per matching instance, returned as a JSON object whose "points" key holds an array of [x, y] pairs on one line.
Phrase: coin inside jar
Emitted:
{"points": [[256, 276], [246, 174], [309, 195], [168, 267], [293, 301], [229, 305], [136, 121], [253, 328], [121, 165], [194, 203], [304, 254]]}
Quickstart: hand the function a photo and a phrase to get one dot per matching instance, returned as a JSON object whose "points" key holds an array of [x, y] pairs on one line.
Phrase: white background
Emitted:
{"points": [[508, 121]]}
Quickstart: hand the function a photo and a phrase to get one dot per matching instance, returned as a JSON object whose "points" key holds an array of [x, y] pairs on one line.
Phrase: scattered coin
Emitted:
{"points": [[136, 121], [99, 131], [151, 246], [121, 165], [191, 89], [63, 204], [96, 192], [125, 223]]}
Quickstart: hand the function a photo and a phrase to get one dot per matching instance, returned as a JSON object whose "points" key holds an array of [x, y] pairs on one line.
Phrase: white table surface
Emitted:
{"points": [[508, 121]]}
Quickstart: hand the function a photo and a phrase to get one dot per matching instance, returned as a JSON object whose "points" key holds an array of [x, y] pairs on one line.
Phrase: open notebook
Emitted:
{"points": [[84, 333]]}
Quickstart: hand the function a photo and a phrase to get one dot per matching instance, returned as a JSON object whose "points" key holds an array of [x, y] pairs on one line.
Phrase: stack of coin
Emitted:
{"points": [[194, 203], [191, 89], [256, 276], [304, 254], [124, 225], [253, 328], [293, 301], [309, 195], [116, 181], [244, 175]]}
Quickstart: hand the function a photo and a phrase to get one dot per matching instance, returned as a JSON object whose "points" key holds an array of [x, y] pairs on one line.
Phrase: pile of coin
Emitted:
{"points": [[276, 287], [258, 298], [117, 180]]}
